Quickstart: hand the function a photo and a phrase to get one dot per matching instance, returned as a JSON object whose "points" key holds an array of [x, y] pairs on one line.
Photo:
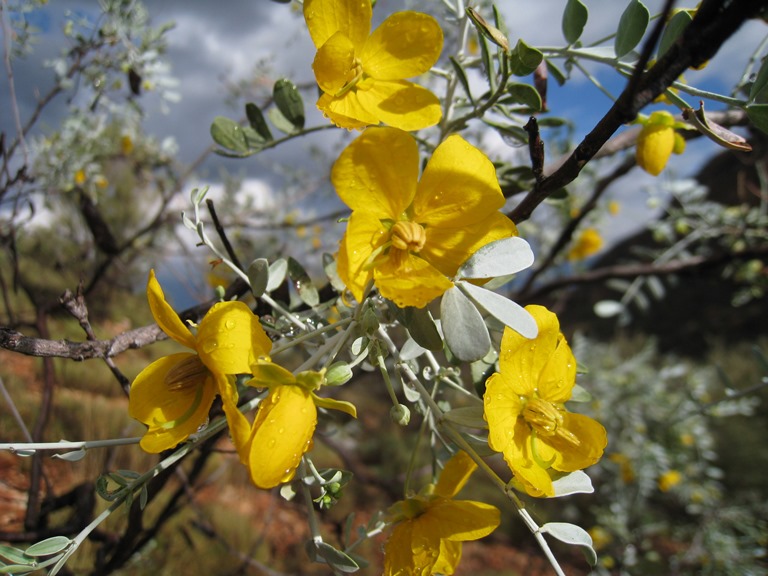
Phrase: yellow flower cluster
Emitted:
{"points": [[409, 232], [657, 141], [174, 394]]}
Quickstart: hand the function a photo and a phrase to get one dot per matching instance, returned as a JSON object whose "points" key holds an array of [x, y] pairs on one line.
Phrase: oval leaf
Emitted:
{"points": [[524, 94], [467, 416], [503, 309], [306, 289], [74, 456], [289, 102], [758, 115], [463, 326], [499, 258], [524, 59], [608, 308], [421, 327], [257, 122], [571, 534], [277, 272], [673, 31], [14, 555], [229, 134], [573, 483], [48, 546], [632, 26], [258, 275], [574, 20]]}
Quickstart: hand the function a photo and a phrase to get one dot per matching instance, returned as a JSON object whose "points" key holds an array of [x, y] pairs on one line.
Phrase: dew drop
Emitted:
{"points": [[230, 324], [210, 345], [281, 431], [272, 443]]}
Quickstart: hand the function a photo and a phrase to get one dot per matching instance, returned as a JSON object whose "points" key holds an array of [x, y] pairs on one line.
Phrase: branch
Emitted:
{"points": [[649, 269], [136, 338], [714, 23]]}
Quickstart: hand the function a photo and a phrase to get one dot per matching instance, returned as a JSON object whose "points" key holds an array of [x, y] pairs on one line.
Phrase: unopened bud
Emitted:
{"points": [[400, 415]]}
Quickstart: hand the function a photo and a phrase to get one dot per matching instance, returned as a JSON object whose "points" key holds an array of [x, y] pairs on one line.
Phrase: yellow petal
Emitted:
{"points": [[501, 409], [399, 103], [365, 234], [410, 282], [448, 559], [326, 17], [463, 520], [230, 338], [448, 248], [455, 475], [346, 111], [654, 147], [398, 557], [239, 427], [592, 442], [334, 63], [172, 415], [559, 374], [282, 433], [164, 315], [520, 458], [458, 188], [522, 360], [377, 172], [406, 44]]}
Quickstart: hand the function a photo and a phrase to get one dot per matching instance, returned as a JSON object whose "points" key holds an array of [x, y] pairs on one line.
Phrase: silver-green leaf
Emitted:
{"points": [[571, 534], [499, 258], [503, 309], [574, 20], [463, 327]]}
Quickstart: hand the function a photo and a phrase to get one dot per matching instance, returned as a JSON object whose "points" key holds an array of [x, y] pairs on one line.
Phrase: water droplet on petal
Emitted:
{"points": [[230, 324], [210, 345]]}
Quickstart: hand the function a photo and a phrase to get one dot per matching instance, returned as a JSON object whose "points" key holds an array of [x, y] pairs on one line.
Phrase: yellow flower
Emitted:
{"points": [[282, 431], [657, 141], [625, 467], [587, 244], [431, 526], [669, 480], [126, 145], [80, 177], [614, 207], [410, 236], [362, 76], [173, 395], [524, 408]]}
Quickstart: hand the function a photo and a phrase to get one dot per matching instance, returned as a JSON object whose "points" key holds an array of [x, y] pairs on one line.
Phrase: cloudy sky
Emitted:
{"points": [[214, 45]]}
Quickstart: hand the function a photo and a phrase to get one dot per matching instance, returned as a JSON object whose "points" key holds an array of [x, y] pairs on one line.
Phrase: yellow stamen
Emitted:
{"points": [[354, 76], [546, 420], [408, 236]]}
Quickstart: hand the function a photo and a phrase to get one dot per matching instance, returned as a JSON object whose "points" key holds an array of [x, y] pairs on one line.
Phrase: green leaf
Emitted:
{"points": [[574, 19], [257, 122], [48, 546], [757, 90], [421, 326], [463, 326], [230, 135], [331, 271], [503, 309], [556, 73], [758, 115], [280, 122], [13, 555], [289, 102], [462, 76], [632, 26], [320, 551], [277, 271], [673, 30], [524, 59], [571, 534], [505, 256], [306, 289], [258, 274], [467, 416], [524, 94]]}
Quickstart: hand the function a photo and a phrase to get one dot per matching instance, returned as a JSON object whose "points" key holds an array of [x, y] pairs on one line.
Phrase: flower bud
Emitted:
{"points": [[400, 415]]}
